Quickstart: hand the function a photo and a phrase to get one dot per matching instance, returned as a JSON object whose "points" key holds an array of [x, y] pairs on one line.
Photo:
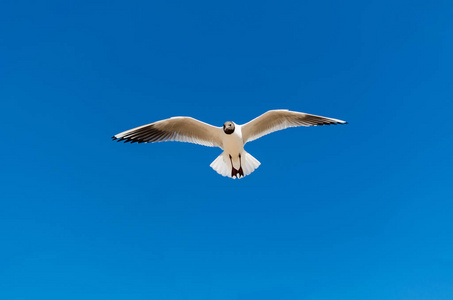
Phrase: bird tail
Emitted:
{"points": [[222, 165]]}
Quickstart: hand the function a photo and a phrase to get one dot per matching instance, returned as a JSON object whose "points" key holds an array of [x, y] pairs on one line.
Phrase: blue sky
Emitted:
{"points": [[362, 211]]}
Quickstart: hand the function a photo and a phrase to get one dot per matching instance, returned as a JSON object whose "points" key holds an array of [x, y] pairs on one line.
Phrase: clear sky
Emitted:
{"points": [[361, 211]]}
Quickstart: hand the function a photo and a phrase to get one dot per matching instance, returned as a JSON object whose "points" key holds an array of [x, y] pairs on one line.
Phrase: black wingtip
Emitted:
{"points": [[128, 140]]}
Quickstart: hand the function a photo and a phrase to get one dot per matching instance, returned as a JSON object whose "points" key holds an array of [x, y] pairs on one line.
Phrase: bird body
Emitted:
{"points": [[234, 161], [234, 145]]}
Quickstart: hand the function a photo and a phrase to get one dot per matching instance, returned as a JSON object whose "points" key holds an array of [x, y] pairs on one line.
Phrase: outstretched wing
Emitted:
{"points": [[274, 120], [181, 129]]}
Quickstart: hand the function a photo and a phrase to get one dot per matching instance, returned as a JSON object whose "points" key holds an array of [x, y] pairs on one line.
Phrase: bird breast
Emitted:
{"points": [[233, 143]]}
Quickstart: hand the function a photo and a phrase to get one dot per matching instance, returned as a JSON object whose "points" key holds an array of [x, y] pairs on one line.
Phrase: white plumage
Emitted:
{"points": [[234, 161]]}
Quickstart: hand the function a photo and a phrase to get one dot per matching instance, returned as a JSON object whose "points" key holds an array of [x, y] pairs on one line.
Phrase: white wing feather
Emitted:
{"points": [[180, 129], [274, 120]]}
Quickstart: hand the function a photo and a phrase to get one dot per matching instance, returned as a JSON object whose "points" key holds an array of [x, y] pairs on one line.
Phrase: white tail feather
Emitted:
{"points": [[249, 163], [222, 164]]}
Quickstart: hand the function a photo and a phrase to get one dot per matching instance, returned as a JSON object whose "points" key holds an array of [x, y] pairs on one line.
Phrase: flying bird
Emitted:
{"points": [[234, 162]]}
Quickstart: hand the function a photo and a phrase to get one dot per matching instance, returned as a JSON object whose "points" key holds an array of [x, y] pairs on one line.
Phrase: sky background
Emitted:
{"points": [[362, 211]]}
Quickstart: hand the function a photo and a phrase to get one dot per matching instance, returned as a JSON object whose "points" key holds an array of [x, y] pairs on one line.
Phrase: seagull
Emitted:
{"points": [[234, 162]]}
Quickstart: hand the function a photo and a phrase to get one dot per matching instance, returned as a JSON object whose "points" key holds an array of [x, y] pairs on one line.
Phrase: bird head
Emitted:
{"points": [[228, 127]]}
